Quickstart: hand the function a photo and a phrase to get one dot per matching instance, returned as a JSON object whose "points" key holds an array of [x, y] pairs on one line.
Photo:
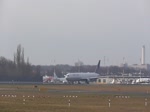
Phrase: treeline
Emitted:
{"points": [[18, 69]]}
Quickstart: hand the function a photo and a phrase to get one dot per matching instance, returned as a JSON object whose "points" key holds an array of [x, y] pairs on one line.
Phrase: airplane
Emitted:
{"points": [[142, 81], [47, 79], [58, 80], [81, 76]]}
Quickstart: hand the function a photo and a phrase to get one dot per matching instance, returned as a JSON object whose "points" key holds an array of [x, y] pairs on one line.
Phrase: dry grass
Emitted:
{"points": [[44, 101]]}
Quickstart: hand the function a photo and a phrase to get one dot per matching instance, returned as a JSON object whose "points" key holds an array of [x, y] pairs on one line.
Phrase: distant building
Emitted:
{"points": [[143, 66], [105, 80], [125, 65]]}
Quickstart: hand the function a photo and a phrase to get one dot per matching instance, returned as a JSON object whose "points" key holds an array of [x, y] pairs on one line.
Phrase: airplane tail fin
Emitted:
{"points": [[55, 76], [98, 67]]}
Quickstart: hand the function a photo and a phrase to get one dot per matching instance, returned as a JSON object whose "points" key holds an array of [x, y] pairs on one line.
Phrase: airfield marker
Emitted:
{"points": [[109, 103], [24, 101], [69, 102], [145, 102]]}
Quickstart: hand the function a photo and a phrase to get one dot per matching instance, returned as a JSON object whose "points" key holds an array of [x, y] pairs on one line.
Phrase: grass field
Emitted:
{"points": [[28, 98]]}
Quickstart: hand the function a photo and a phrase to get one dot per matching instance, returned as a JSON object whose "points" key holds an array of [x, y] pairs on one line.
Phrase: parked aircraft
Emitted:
{"points": [[47, 79], [142, 81], [81, 76], [58, 80]]}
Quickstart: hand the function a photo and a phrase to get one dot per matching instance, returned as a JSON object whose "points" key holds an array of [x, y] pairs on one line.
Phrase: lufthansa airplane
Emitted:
{"points": [[81, 76]]}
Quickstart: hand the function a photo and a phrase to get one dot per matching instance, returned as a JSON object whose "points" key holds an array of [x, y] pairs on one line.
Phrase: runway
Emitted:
{"points": [[132, 90]]}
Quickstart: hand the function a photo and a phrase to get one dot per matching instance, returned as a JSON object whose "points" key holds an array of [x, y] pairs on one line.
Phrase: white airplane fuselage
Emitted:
{"points": [[71, 77]]}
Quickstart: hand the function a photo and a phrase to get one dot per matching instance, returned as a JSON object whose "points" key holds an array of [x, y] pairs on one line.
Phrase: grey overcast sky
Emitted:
{"points": [[68, 30]]}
